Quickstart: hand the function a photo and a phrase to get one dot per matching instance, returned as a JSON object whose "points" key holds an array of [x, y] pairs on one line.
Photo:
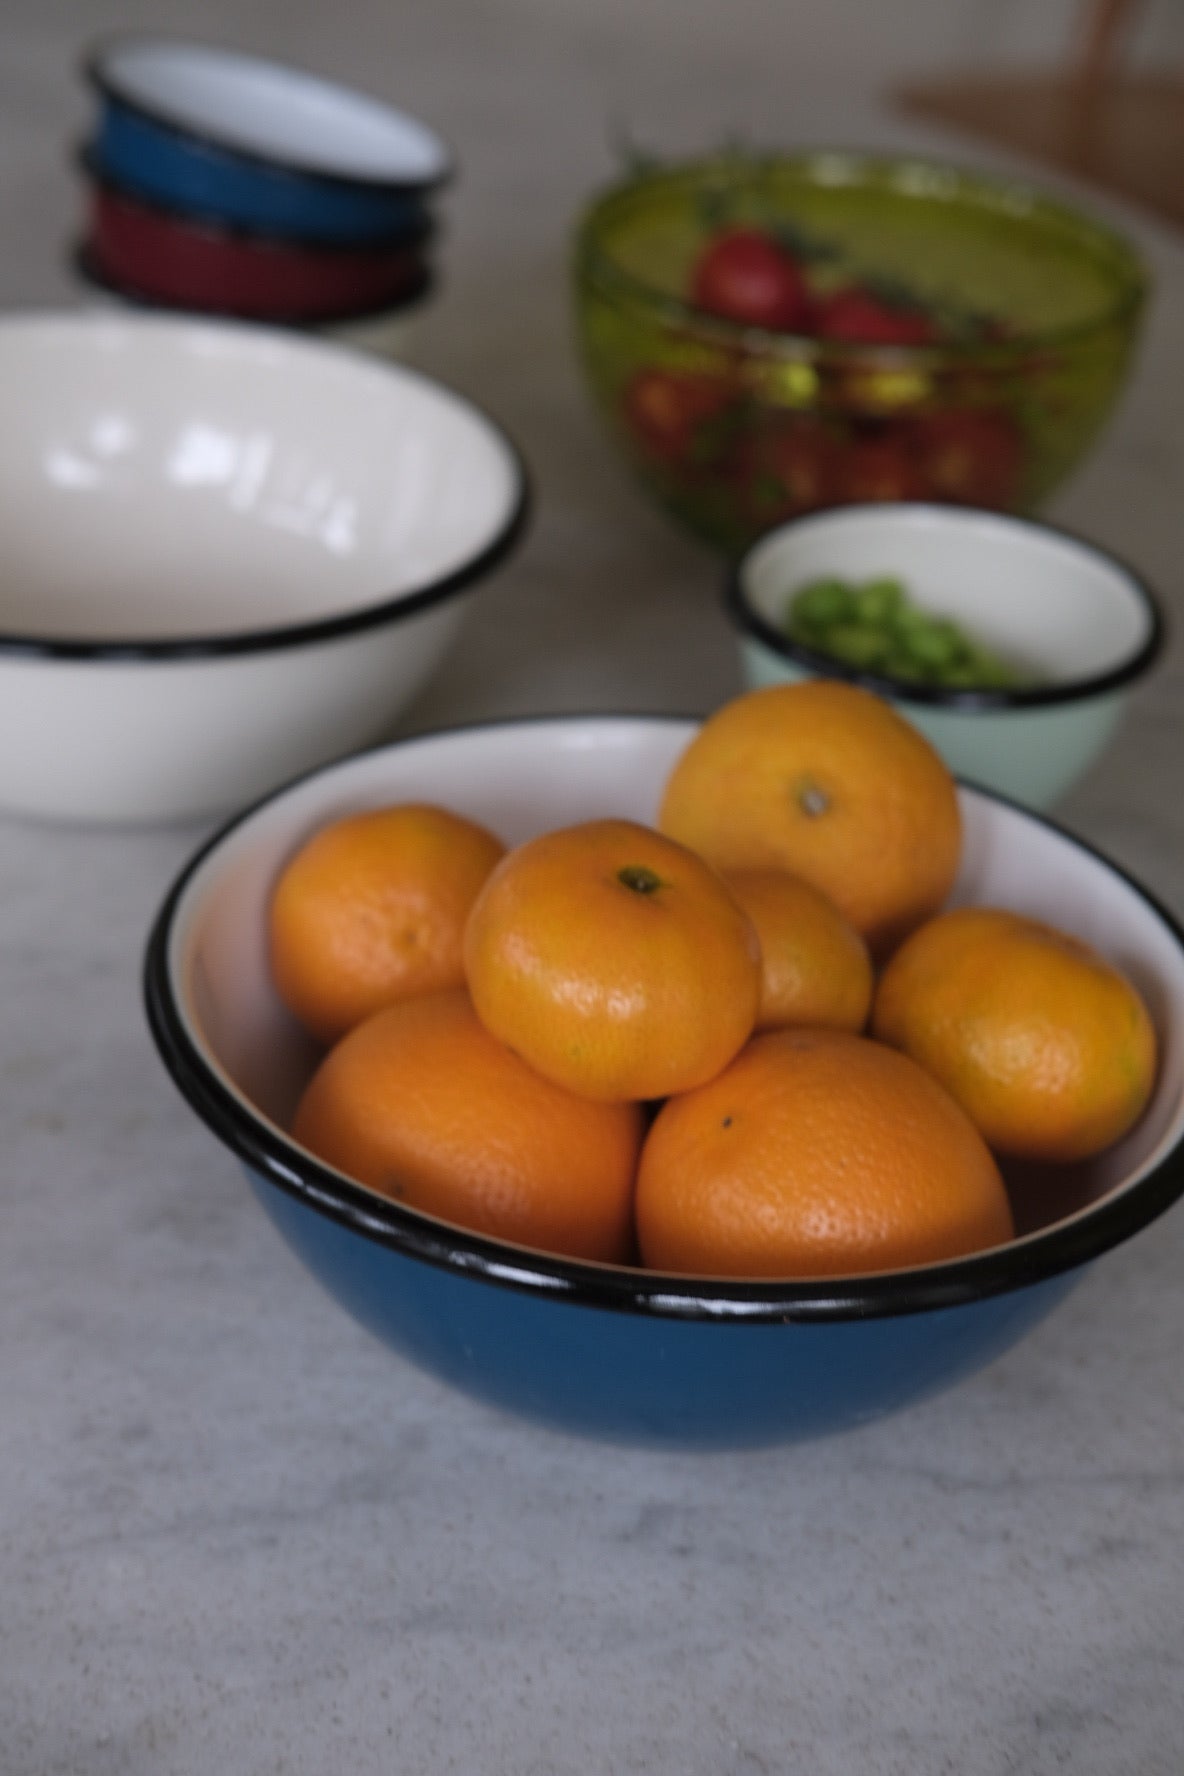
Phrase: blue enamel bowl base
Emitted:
{"points": [[648, 1380], [613, 1351]]}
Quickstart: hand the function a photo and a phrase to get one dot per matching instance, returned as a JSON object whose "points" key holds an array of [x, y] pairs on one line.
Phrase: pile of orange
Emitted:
{"points": [[751, 1040]]}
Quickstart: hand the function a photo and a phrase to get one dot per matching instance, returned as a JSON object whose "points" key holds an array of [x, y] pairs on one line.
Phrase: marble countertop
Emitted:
{"points": [[238, 1535]]}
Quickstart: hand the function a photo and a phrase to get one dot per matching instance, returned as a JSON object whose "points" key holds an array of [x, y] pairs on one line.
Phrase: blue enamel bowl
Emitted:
{"points": [[199, 183], [196, 178], [611, 1351], [258, 144]]}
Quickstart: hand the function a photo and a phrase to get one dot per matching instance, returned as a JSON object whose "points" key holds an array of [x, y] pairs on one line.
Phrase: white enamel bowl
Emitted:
{"points": [[1086, 625], [609, 1350], [229, 554]]}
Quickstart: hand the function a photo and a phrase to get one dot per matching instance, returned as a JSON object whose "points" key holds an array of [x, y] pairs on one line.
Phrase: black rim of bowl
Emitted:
{"points": [[1135, 665], [376, 614], [106, 84], [83, 260], [620, 287], [259, 1144], [208, 221]]}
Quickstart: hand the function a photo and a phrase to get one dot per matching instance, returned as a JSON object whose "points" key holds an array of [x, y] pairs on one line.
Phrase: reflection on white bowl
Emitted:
{"points": [[1086, 627], [230, 554]]}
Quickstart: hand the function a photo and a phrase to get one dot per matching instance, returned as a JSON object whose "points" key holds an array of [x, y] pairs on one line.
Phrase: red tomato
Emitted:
{"points": [[667, 410], [881, 468], [863, 318], [970, 456], [788, 466], [745, 275]]}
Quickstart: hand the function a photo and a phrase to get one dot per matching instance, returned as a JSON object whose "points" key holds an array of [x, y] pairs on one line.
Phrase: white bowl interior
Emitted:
{"points": [[281, 113], [162, 478], [525, 777], [1039, 598]]}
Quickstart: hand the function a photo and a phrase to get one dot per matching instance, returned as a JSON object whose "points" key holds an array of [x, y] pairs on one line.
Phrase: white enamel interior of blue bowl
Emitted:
{"points": [[526, 777], [279, 113], [228, 554], [1044, 600]]}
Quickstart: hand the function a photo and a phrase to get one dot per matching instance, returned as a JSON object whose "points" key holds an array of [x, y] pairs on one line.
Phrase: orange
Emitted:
{"points": [[613, 960], [422, 1104], [816, 1153], [372, 908], [1048, 1047], [829, 782], [815, 967]]}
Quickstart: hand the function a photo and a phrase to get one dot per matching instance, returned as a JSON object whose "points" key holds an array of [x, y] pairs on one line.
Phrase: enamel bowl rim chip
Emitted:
{"points": [[913, 174], [916, 516], [182, 332], [110, 66], [1131, 1204]]}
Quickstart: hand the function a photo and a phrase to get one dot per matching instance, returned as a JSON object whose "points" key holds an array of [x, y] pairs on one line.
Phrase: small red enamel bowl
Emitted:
{"points": [[386, 332], [200, 264]]}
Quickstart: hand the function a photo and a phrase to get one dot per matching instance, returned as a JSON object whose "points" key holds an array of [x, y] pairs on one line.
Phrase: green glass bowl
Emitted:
{"points": [[735, 429]]}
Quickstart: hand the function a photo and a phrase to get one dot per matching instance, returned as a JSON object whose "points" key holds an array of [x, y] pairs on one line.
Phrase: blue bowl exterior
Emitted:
{"points": [[649, 1379], [187, 175]]}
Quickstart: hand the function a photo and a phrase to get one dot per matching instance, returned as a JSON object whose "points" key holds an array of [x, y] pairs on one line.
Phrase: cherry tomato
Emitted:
{"points": [[667, 412], [881, 468], [745, 275], [970, 456], [787, 466], [860, 316]]}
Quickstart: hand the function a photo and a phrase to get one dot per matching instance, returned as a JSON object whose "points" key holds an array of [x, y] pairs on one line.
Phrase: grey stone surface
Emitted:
{"points": [[236, 1534]]}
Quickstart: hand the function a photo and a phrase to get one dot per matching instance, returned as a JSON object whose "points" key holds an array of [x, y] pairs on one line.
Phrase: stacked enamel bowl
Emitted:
{"points": [[224, 184]]}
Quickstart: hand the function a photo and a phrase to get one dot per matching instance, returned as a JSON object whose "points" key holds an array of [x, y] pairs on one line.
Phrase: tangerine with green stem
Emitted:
{"points": [[614, 960]]}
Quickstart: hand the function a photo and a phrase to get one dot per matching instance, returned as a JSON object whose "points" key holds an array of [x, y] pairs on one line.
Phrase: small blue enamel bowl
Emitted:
{"points": [[609, 1351], [204, 185], [258, 144]]}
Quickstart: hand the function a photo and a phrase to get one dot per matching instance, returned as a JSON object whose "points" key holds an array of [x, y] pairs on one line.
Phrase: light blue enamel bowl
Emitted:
{"points": [[1087, 628], [610, 1351]]}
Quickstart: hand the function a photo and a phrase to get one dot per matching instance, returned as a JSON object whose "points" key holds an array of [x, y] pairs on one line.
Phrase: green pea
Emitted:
{"points": [[936, 643], [908, 621], [899, 663], [822, 602], [878, 601], [872, 626], [856, 645]]}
